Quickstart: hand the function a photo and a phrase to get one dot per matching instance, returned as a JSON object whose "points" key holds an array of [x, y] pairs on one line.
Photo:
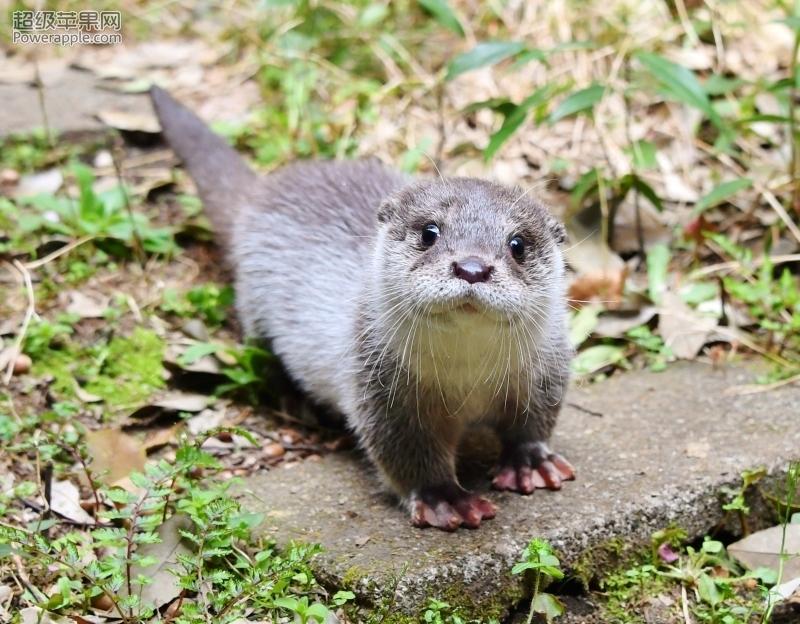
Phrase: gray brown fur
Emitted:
{"points": [[330, 269]]}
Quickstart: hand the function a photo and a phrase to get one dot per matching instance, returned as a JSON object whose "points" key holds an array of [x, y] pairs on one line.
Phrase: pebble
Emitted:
{"points": [[274, 450], [22, 364]]}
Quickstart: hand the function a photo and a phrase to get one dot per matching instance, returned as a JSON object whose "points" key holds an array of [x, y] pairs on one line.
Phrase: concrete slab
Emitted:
{"points": [[72, 99], [663, 446]]}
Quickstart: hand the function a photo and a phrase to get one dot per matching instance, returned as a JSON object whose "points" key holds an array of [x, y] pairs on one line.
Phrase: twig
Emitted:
{"points": [[794, 165], [759, 388], [688, 28], [636, 199], [37, 81], [138, 247], [585, 410], [685, 604], [735, 265], [29, 312], [35, 264], [768, 195]]}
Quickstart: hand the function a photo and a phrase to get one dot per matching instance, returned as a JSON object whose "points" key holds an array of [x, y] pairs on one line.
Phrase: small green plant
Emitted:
{"points": [[246, 367], [210, 302], [652, 345], [736, 497], [99, 214], [440, 612], [44, 335], [222, 570], [792, 491], [304, 612], [539, 559]]}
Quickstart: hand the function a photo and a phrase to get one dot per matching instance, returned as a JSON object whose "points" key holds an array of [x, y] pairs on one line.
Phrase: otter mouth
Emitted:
{"points": [[467, 308]]}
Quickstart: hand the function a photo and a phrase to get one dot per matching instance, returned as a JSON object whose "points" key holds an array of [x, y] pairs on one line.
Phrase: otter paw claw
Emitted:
{"points": [[537, 468], [449, 507]]}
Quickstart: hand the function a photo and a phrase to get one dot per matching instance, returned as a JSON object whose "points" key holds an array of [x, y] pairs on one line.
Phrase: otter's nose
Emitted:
{"points": [[472, 269]]}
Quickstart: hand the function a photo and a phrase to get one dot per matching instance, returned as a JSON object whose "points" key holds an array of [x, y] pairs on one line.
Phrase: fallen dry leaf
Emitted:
{"points": [[115, 454], [35, 615], [165, 584], [85, 306], [130, 121], [45, 182], [763, 549], [683, 330], [206, 420], [86, 396], [162, 436], [65, 500], [183, 402], [600, 273], [616, 323]]}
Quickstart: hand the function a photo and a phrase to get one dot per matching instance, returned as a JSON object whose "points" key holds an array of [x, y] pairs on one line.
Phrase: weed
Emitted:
{"points": [[792, 490], [652, 345], [538, 557], [102, 215], [210, 302], [440, 612], [221, 568]]}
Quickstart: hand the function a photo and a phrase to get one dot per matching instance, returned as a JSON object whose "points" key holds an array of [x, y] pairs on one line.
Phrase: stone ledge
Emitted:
{"points": [[659, 454]]}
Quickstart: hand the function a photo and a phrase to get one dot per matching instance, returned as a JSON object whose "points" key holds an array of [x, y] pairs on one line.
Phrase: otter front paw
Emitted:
{"points": [[448, 507], [531, 465]]}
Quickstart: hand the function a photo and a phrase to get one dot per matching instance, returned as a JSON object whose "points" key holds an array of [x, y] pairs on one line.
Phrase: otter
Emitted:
{"points": [[414, 307]]}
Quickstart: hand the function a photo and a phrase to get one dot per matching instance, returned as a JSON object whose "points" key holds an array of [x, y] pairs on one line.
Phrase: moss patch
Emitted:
{"points": [[123, 371], [132, 370]]}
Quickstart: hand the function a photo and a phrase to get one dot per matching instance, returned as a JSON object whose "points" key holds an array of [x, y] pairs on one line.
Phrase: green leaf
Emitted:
{"points": [[657, 262], [720, 193], [514, 120], [195, 352], [582, 324], [696, 293], [712, 546], [598, 357], [443, 13], [681, 84], [793, 22], [578, 102], [707, 589], [548, 605], [522, 566], [371, 16], [633, 181], [342, 596], [286, 602], [530, 55], [317, 611], [643, 154], [487, 53]]}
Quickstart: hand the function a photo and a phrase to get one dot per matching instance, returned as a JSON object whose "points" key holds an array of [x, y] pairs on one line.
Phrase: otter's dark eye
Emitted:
{"points": [[429, 234], [517, 247]]}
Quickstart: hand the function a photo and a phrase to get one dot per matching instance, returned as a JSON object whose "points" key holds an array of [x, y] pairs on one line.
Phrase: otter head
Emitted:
{"points": [[463, 246]]}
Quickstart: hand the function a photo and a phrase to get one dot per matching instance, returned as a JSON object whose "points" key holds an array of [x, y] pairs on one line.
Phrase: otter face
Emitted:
{"points": [[463, 246]]}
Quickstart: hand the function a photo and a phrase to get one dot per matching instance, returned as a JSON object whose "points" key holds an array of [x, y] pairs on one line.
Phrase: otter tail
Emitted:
{"points": [[222, 177]]}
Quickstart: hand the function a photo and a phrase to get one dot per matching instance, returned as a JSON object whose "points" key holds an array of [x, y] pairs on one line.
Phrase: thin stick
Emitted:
{"points": [[138, 247], [759, 388], [29, 312], [35, 264], [735, 265], [37, 80]]}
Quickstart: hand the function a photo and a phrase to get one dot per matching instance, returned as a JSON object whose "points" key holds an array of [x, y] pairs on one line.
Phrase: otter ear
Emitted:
{"points": [[388, 209], [557, 229]]}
